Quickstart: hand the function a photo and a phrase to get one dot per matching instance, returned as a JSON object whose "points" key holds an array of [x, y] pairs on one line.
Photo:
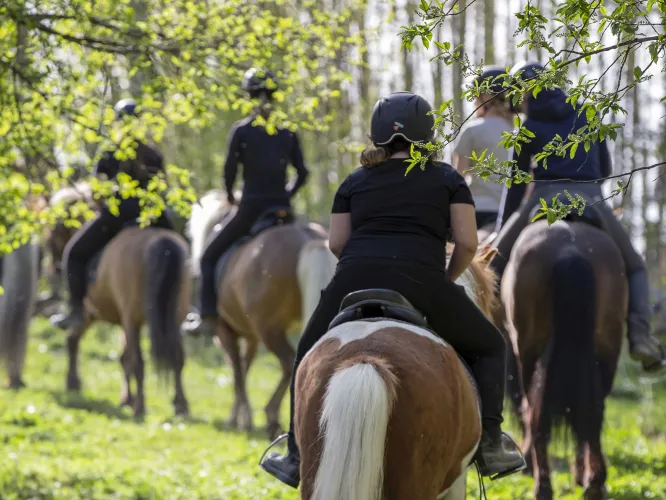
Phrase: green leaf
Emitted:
{"points": [[638, 72], [572, 152]]}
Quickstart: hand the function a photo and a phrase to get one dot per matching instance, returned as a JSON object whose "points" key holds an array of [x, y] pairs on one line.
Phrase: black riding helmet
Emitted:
{"points": [[125, 107], [492, 75], [404, 115], [527, 70], [256, 81]]}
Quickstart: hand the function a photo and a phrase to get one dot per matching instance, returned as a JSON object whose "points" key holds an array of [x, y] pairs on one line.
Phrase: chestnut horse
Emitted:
{"points": [[386, 409], [271, 283], [142, 277], [565, 297]]}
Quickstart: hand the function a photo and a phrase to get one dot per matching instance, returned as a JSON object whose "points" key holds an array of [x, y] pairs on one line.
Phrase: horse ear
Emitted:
{"points": [[487, 254]]}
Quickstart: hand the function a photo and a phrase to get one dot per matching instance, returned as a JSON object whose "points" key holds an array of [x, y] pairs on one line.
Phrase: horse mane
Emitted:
{"points": [[206, 213], [485, 280]]}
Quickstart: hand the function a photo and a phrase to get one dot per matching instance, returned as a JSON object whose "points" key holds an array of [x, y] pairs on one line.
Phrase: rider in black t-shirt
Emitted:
{"points": [[390, 231]]}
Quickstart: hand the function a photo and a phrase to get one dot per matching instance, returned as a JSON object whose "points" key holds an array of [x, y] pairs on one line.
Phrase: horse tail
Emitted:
{"points": [[354, 422], [573, 391], [165, 272], [19, 282], [316, 266]]}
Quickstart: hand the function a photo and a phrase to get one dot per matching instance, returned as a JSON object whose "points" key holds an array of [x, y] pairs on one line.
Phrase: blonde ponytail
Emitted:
{"points": [[372, 157]]}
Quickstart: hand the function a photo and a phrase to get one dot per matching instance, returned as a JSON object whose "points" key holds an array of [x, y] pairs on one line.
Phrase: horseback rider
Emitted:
{"points": [[96, 233], [548, 115], [494, 116], [390, 231], [264, 158]]}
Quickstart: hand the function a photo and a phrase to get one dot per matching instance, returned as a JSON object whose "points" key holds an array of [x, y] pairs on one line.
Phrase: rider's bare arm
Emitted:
{"points": [[340, 232], [463, 228]]}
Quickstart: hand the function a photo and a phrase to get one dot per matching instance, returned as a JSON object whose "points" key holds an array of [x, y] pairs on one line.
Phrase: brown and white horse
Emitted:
{"points": [[386, 409]]}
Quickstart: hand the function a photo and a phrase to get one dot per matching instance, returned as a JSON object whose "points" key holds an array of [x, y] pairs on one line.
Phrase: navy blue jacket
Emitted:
{"points": [[264, 158], [547, 116]]}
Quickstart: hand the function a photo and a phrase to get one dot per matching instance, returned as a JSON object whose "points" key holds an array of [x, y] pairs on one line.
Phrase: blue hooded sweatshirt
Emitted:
{"points": [[548, 115]]}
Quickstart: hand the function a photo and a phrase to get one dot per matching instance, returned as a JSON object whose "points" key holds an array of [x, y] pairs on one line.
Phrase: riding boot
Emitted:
{"points": [[498, 455], [286, 468], [74, 319], [643, 346]]}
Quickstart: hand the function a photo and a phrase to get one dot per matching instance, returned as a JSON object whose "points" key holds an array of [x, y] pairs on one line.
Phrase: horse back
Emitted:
{"points": [[118, 293], [434, 425]]}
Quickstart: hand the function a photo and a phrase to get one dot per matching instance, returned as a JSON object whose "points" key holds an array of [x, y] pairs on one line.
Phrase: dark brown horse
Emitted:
{"points": [[367, 423], [565, 298], [272, 283], [142, 278]]}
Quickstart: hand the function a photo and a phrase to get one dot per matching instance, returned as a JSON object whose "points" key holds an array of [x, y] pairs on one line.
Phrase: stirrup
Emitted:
{"points": [[515, 470], [281, 437]]}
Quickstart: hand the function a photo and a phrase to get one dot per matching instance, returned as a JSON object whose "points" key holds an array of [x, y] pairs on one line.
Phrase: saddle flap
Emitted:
{"points": [[274, 216], [375, 304]]}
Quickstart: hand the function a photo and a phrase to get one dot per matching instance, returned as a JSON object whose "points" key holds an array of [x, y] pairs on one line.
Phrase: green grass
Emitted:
{"points": [[61, 446]]}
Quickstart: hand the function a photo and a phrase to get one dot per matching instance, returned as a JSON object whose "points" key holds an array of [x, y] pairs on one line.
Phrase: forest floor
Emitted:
{"points": [[57, 445]]}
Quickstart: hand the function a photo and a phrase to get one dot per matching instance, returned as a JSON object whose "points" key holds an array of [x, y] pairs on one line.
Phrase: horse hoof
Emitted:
{"points": [[595, 493], [15, 383], [74, 385], [139, 413], [127, 401], [182, 410]]}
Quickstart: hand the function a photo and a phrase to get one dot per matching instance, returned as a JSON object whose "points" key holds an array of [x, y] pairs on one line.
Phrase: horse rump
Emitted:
{"points": [[165, 272]]}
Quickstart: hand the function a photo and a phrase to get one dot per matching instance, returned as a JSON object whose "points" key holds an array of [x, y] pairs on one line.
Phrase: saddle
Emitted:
{"points": [[272, 217], [377, 304]]}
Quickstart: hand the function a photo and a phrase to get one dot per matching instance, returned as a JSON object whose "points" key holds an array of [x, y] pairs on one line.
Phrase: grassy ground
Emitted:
{"points": [[60, 446]]}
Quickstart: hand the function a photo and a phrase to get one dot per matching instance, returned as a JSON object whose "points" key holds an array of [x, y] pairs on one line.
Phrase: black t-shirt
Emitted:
{"points": [[398, 216], [265, 158]]}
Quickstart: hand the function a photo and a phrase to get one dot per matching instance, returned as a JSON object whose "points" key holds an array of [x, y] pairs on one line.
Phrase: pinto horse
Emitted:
{"points": [[565, 298], [142, 277], [386, 409], [272, 282]]}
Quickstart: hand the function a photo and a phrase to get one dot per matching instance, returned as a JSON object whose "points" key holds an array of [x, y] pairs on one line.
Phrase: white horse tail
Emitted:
{"points": [[19, 281], [354, 422], [316, 266]]}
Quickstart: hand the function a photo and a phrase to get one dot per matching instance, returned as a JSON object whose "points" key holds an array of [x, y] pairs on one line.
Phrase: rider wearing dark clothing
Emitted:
{"points": [[98, 232], [549, 115], [265, 158], [399, 228]]}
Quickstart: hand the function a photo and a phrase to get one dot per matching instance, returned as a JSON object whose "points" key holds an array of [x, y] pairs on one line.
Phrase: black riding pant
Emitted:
{"points": [[448, 309], [92, 238], [221, 241], [639, 306]]}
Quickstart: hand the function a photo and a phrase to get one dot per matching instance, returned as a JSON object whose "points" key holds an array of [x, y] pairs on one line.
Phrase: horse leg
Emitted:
{"points": [[249, 353], [180, 401], [73, 341], [277, 342], [134, 342], [578, 471], [228, 341], [597, 475], [543, 489], [126, 398]]}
